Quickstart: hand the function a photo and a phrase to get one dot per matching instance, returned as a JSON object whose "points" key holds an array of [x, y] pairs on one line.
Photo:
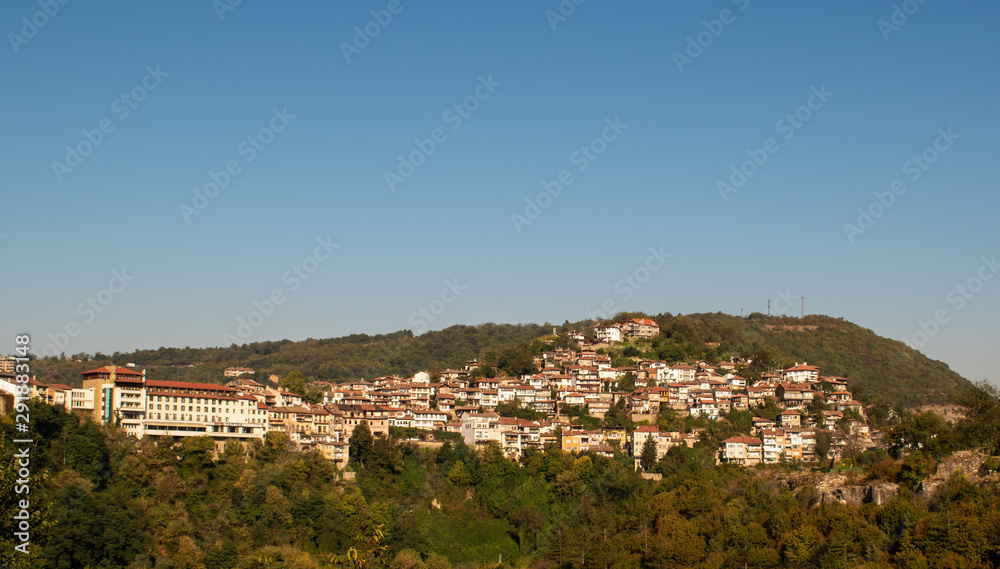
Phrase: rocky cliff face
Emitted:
{"points": [[970, 463], [878, 494], [834, 488]]}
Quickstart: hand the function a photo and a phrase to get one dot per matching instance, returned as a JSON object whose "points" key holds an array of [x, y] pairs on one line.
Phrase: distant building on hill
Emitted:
{"points": [[608, 333], [800, 373], [641, 328]]}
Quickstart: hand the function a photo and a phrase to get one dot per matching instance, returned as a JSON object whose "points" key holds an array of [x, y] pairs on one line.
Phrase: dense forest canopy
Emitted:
{"points": [[101, 499]]}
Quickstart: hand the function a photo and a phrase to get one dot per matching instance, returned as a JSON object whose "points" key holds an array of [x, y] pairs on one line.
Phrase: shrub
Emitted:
{"points": [[885, 469]]}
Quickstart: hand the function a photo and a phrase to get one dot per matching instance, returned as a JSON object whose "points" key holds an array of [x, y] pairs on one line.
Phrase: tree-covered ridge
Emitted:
{"points": [[877, 367], [109, 501], [874, 365]]}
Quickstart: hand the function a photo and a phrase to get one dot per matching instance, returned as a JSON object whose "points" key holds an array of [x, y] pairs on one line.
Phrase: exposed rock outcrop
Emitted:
{"points": [[834, 488], [837, 488], [877, 494], [970, 463]]}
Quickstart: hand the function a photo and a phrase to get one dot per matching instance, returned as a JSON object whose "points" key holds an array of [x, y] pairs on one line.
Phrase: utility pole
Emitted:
{"points": [[803, 307], [769, 307]]}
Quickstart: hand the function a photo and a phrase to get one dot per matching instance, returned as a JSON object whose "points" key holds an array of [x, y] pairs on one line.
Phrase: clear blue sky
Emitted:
{"points": [[543, 93]]}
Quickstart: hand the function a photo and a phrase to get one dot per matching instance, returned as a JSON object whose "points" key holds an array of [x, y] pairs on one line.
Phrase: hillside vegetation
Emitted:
{"points": [[875, 365], [102, 499]]}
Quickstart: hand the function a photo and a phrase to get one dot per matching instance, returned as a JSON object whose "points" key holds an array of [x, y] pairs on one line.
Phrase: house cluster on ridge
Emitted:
{"points": [[459, 401]]}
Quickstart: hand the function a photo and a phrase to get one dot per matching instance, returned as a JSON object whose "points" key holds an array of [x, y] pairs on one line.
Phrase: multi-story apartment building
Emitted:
{"points": [[682, 372], [428, 419], [507, 392], [742, 450], [793, 444], [608, 333], [801, 373], [146, 408], [481, 428], [640, 435], [598, 408], [544, 405], [640, 328], [517, 435], [579, 440], [526, 393], [376, 416], [774, 444], [705, 407], [790, 418], [295, 421], [794, 395]]}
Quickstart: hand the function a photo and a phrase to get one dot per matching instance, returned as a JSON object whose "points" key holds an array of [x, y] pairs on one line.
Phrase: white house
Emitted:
{"points": [[608, 333]]}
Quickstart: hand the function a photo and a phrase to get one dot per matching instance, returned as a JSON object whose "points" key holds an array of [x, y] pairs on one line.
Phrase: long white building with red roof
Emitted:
{"points": [[174, 408]]}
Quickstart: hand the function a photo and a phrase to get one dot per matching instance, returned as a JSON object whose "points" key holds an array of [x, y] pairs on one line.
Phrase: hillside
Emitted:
{"points": [[875, 365]]}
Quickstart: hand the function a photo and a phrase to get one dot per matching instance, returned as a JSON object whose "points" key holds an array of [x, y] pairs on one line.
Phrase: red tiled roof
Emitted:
{"points": [[744, 440], [291, 409], [117, 370], [153, 383]]}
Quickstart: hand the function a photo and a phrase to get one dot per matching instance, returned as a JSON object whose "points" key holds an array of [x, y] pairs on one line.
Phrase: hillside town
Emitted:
{"points": [[463, 403]]}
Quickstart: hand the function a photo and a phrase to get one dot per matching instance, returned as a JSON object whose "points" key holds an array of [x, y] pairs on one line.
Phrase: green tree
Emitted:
{"points": [[648, 457], [925, 431], [823, 443], [514, 408], [196, 456], [980, 424], [386, 455], [458, 475], [28, 554], [627, 382], [617, 416], [366, 551], [294, 382], [517, 361], [916, 467], [407, 559], [362, 444]]}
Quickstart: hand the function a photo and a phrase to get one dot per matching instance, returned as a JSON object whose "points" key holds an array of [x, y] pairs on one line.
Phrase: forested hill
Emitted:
{"points": [[875, 365]]}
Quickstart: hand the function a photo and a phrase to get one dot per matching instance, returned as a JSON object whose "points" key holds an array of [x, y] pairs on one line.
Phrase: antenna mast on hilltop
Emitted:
{"points": [[803, 307], [769, 307]]}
